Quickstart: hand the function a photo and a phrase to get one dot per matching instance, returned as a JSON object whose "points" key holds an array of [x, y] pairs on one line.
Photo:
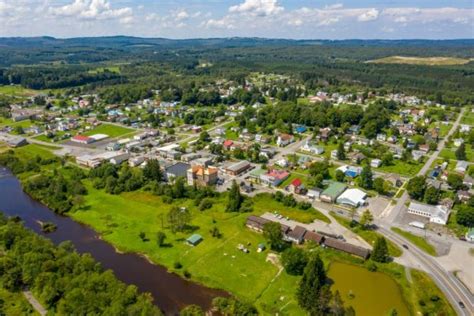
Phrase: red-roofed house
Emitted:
{"points": [[81, 139], [296, 186], [228, 144], [274, 177]]}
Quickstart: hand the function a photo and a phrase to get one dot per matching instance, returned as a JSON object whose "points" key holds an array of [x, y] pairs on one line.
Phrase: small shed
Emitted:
{"points": [[261, 247], [194, 240]]}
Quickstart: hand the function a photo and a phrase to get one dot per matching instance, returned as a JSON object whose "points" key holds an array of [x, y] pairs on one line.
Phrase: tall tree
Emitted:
{"points": [[431, 195], [416, 187], [380, 251], [234, 198], [294, 260], [313, 293], [274, 236], [461, 152], [366, 177], [341, 155], [366, 219], [152, 171]]}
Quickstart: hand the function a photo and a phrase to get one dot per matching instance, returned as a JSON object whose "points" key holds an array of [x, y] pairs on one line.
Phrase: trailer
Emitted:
{"points": [[416, 224]]}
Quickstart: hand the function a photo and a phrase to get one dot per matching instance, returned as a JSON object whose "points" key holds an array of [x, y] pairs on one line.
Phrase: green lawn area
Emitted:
{"points": [[449, 153], [292, 177], [110, 130], [17, 90], [5, 121], [30, 151], [265, 203], [368, 235], [468, 118], [14, 303], [403, 168], [420, 242]]}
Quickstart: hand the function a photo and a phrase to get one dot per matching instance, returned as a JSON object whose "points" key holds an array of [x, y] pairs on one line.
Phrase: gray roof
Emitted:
{"points": [[178, 169]]}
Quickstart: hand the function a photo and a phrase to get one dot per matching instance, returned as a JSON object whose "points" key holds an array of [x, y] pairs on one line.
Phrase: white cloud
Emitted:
{"points": [[92, 9], [181, 15], [225, 23], [257, 7], [334, 6], [369, 15]]}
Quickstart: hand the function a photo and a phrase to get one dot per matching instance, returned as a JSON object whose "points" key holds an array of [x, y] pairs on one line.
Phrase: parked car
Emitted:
{"points": [[405, 246]]}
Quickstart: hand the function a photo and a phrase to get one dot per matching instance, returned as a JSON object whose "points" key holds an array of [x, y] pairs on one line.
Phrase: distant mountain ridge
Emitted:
{"points": [[130, 41]]}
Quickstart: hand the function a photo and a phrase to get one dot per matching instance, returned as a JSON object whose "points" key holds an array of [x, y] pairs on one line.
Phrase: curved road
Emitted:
{"points": [[454, 290]]}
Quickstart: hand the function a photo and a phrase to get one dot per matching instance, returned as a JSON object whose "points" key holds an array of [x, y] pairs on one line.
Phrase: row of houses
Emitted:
{"points": [[299, 235]]}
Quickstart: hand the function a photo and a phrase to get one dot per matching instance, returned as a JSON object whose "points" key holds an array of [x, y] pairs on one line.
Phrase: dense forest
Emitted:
{"points": [[175, 65], [66, 282]]}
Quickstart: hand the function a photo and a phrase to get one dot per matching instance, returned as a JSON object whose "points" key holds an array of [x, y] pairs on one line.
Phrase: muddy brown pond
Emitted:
{"points": [[169, 291]]}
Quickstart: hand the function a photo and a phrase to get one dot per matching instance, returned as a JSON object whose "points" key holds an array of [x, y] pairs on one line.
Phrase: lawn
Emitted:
{"points": [[30, 151], [17, 90], [115, 69], [420, 242], [468, 118], [449, 153], [120, 219], [265, 203], [5, 121], [110, 130], [368, 235], [293, 176], [403, 168]]}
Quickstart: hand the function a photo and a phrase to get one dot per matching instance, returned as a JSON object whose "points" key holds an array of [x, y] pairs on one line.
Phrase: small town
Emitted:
{"points": [[255, 174]]}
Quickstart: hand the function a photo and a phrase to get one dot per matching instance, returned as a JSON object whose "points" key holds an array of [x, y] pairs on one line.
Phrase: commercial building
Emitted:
{"points": [[202, 176], [352, 197], [238, 168], [438, 214], [332, 192]]}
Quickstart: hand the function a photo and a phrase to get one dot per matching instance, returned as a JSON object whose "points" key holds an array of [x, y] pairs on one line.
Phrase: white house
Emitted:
{"points": [[458, 142], [375, 163], [284, 140], [438, 214], [461, 166], [310, 148]]}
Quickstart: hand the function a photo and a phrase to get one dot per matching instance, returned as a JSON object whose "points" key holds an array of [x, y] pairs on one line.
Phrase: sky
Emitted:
{"points": [[296, 19]]}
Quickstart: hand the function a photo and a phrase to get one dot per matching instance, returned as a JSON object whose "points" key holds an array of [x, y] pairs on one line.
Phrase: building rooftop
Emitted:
{"points": [[334, 189]]}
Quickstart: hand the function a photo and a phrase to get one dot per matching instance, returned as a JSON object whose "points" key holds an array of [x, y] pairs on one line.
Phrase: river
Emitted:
{"points": [[170, 292]]}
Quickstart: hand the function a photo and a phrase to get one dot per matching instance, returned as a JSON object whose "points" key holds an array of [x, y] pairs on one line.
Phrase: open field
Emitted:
{"points": [[110, 130], [32, 150], [435, 303], [468, 118], [115, 69], [17, 90], [402, 168], [429, 61], [369, 236], [420, 242], [449, 153]]}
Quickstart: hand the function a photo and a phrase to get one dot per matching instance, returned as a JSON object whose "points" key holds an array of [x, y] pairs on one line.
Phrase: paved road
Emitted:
{"points": [[34, 302], [447, 282], [400, 206]]}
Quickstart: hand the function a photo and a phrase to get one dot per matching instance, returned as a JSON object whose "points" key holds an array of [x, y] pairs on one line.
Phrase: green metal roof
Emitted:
{"points": [[334, 189]]}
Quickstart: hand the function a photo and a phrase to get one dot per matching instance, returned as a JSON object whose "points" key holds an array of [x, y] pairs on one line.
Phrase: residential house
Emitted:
{"points": [[461, 166], [284, 140], [311, 148], [179, 169], [375, 163], [296, 235], [458, 142], [357, 158], [274, 177], [296, 186]]}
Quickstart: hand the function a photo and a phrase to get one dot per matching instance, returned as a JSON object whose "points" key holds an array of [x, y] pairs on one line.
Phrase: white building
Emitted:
{"points": [[438, 214], [375, 163], [352, 197]]}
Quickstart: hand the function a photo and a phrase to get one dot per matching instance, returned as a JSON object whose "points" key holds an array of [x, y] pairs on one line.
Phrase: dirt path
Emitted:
{"points": [[34, 302]]}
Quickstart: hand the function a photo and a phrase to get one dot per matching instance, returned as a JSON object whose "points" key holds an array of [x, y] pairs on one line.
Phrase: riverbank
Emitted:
{"points": [[215, 262]]}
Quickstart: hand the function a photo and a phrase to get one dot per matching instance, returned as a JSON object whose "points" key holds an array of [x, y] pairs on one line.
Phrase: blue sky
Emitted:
{"points": [[313, 19]]}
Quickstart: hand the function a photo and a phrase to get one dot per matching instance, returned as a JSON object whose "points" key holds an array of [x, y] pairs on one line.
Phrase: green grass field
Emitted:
{"points": [[115, 69], [420, 242], [429, 61], [368, 235], [449, 153], [402, 168], [17, 90], [110, 130], [468, 118], [430, 297], [30, 151]]}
